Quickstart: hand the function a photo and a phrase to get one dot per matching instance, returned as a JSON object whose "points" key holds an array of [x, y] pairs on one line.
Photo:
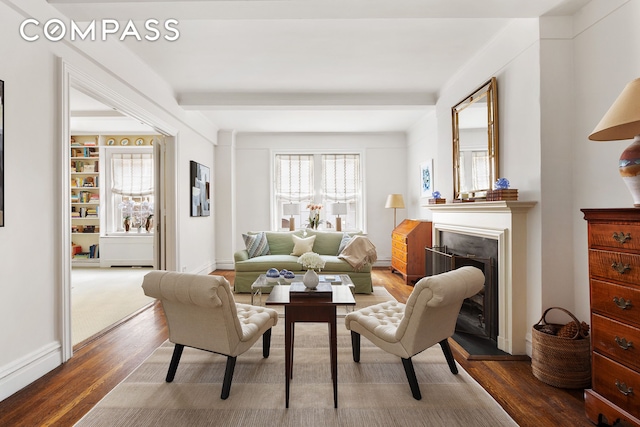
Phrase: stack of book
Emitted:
{"points": [[503, 194]]}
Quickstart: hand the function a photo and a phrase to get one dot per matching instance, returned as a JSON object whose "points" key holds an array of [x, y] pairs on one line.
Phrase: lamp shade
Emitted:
{"points": [[291, 209], [394, 201], [339, 208], [622, 121]]}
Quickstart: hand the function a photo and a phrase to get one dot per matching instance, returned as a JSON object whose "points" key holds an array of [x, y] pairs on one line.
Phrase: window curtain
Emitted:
{"points": [[294, 178], [341, 178], [132, 174]]}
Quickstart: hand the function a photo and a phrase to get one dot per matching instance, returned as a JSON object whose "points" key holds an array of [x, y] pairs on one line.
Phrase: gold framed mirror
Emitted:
{"points": [[475, 142]]}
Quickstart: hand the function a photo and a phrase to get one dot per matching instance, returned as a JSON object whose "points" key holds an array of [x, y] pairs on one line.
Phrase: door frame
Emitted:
{"points": [[165, 247]]}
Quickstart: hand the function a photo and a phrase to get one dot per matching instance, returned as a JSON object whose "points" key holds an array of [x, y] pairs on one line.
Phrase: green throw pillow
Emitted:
{"points": [[256, 244]]}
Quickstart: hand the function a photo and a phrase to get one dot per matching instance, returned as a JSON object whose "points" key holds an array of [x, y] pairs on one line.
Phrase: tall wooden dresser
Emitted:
{"points": [[408, 241], [614, 275]]}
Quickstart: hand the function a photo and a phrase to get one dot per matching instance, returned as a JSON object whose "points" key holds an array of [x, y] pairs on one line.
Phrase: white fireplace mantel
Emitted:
{"points": [[506, 222]]}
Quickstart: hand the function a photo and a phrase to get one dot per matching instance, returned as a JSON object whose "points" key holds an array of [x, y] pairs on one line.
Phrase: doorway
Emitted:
{"points": [[110, 281]]}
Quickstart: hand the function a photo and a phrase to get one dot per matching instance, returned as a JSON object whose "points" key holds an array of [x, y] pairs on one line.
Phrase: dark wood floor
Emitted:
{"points": [[63, 396]]}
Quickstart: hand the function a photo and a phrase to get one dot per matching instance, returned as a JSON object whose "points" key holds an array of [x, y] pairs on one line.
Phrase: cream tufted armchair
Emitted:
{"points": [[201, 313], [429, 317]]}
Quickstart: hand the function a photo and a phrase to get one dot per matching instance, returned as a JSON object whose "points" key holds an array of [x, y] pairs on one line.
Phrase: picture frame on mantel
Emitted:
{"points": [[426, 178], [1, 153], [200, 189]]}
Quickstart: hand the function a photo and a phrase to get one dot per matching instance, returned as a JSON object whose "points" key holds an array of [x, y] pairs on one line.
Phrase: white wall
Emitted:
{"points": [[31, 242], [556, 78], [384, 169], [605, 56]]}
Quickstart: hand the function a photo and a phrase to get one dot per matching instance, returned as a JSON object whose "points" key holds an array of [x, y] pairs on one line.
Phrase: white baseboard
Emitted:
{"points": [[18, 374]]}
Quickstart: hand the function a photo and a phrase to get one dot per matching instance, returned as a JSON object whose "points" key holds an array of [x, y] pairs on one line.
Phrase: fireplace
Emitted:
{"points": [[478, 316], [505, 224]]}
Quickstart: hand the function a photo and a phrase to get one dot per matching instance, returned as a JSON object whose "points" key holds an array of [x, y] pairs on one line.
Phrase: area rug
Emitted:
{"points": [[373, 392]]}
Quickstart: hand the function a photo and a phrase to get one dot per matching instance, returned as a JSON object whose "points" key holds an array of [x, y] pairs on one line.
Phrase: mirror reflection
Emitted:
{"points": [[475, 143]]}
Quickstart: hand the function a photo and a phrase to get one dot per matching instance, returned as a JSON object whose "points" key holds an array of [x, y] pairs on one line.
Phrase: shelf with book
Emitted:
{"points": [[84, 158]]}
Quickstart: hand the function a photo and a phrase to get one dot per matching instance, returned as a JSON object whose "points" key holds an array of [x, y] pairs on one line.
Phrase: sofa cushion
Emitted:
{"points": [[334, 264], [263, 263], [257, 244], [281, 242], [302, 245]]}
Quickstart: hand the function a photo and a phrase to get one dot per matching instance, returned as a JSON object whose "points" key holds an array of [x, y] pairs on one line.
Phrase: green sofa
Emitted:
{"points": [[281, 245]]}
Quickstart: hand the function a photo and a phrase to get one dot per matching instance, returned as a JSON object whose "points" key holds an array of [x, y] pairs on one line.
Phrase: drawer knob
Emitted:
{"points": [[620, 267], [622, 303], [623, 388], [621, 238], [623, 343]]}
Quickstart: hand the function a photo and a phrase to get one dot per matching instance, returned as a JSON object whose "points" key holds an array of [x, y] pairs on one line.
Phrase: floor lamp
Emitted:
{"points": [[291, 209], [394, 201]]}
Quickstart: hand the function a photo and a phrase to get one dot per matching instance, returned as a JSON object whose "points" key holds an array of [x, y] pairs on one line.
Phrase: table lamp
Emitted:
{"points": [[339, 209], [394, 201], [291, 209], [622, 121]]}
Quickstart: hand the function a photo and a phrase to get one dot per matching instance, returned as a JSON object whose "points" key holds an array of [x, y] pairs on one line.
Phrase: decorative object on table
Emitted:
{"points": [[200, 189], [312, 262], [272, 275], [501, 191], [436, 199], [289, 276], [395, 201], [339, 209], [559, 358], [291, 209], [126, 223], [149, 223], [622, 121], [426, 178], [314, 215]]}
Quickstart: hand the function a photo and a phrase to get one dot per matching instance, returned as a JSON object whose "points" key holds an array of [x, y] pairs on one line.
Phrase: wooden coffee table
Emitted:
{"points": [[310, 307]]}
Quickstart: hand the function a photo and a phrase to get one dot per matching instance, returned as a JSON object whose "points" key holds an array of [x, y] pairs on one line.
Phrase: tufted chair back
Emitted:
{"points": [[202, 313], [432, 309]]}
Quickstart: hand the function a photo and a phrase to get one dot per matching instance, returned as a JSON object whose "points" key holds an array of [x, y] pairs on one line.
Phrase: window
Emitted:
{"points": [[326, 179], [130, 193]]}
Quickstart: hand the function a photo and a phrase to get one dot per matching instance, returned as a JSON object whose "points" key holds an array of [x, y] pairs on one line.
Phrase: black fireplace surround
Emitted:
{"points": [[479, 314]]}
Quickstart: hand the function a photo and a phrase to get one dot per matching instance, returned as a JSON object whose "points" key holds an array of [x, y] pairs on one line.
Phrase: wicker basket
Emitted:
{"points": [[561, 362]]}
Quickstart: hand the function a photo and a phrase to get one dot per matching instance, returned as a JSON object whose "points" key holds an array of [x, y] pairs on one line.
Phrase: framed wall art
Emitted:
{"points": [[1, 153], [426, 178], [200, 189]]}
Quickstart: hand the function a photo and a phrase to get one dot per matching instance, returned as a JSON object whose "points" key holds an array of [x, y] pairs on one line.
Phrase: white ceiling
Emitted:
{"points": [[314, 65]]}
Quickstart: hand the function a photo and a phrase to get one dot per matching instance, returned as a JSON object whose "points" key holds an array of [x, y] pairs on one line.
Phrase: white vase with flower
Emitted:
{"points": [[312, 262]]}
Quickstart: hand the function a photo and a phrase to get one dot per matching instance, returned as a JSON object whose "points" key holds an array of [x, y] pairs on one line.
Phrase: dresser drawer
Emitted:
{"points": [[616, 340], [396, 244], [612, 380], [399, 254], [617, 266], [399, 265], [617, 301], [396, 237], [615, 236]]}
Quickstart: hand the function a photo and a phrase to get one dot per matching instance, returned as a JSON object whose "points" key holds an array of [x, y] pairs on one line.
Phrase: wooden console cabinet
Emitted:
{"points": [[408, 241], [614, 276]]}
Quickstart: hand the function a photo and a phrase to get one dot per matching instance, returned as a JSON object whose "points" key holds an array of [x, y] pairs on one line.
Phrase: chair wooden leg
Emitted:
{"points": [[411, 376], [355, 346], [228, 376], [175, 359], [446, 349], [266, 343]]}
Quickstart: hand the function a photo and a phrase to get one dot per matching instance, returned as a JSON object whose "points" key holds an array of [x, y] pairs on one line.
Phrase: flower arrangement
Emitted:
{"points": [[314, 215], [311, 261]]}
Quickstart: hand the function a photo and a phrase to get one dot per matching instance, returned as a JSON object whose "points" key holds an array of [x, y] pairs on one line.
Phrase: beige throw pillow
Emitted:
{"points": [[302, 245]]}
